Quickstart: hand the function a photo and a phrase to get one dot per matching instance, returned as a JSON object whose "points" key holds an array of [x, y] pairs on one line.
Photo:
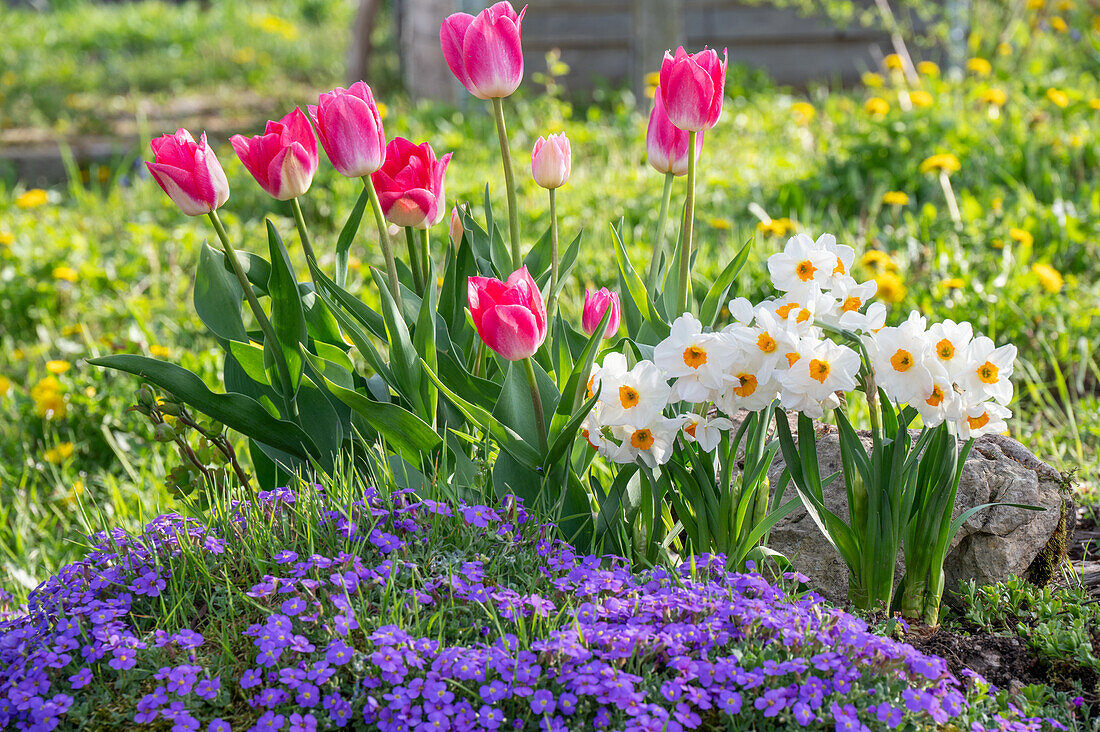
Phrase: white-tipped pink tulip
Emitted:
{"points": [[691, 87], [595, 306], [284, 158], [189, 172], [485, 52], [666, 144], [350, 128]]}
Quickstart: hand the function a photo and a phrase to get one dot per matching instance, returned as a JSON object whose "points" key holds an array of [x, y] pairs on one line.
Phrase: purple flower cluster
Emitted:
{"points": [[407, 629]]}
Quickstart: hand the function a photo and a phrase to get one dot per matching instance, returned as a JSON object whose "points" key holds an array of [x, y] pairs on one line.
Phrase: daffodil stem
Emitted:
{"points": [[414, 260], [536, 400], [551, 299], [689, 222], [949, 194], [383, 241], [303, 233], [425, 254], [509, 181], [659, 239], [270, 340]]}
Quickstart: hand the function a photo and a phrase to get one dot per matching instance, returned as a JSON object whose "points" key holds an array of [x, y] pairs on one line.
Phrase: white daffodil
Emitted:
{"points": [[694, 358], [938, 404], [802, 266], [850, 298], [950, 346], [983, 418], [868, 322], [706, 432], [818, 369], [988, 371], [900, 357], [844, 256], [650, 443], [636, 396], [742, 311], [745, 390], [765, 345]]}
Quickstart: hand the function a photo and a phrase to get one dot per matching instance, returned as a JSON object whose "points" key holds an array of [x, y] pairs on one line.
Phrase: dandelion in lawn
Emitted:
{"points": [[776, 227], [803, 113], [65, 274], [49, 402], [32, 199], [1094, 103], [1022, 236], [890, 287], [876, 107], [928, 68], [5, 386], [944, 164], [1058, 23], [994, 97], [76, 491], [1050, 278], [58, 366], [159, 351], [59, 453], [1058, 98], [920, 98], [7, 238], [953, 283], [979, 66], [877, 261], [893, 62], [720, 224], [872, 79], [895, 198]]}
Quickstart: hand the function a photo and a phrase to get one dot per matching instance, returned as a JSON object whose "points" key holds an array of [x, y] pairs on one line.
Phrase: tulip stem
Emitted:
{"points": [[303, 233], [659, 239], [384, 240], [689, 222], [509, 181], [536, 399], [414, 260], [551, 300], [270, 340], [425, 251]]}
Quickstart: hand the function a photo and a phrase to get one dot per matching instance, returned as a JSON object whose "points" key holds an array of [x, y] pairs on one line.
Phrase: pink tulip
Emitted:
{"points": [[691, 87], [550, 161], [509, 316], [485, 52], [410, 184], [595, 305], [189, 172], [350, 128], [455, 229], [666, 144], [284, 158]]}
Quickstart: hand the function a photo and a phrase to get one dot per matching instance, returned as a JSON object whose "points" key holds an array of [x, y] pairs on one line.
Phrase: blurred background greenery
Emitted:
{"points": [[104, 263]]}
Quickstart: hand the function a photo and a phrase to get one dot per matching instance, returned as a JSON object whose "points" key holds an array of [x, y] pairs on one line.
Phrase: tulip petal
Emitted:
{"points": [[451, 35], [512, 331]]}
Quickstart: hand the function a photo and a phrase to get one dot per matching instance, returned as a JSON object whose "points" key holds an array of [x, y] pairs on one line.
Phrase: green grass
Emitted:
{"points": [[1027, 168]]}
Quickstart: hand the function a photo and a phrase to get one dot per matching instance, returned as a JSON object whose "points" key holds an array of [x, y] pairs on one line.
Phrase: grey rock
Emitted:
{"points": [[990, 546]]}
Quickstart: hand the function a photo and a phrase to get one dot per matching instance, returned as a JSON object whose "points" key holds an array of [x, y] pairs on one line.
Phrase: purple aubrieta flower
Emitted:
{"points": [[218, 725], [81, 678], [252, 677]]}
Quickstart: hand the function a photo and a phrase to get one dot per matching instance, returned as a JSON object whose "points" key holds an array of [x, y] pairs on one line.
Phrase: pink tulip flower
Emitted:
{"points": [[350, 128], [692, 86], [666, 144], [550, 161], [189, 172], [284, 158], [484, 52], [595, 305], [410, 184], [509, 316]]}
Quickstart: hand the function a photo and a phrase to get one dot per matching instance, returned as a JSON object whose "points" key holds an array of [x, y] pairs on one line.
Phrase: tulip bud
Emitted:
{"points": [[666, 144], [485, 52], [350, 127], [456, 230], [550, 161], [595, 305], [189, 172], [510, 316], [692, 86], [284, 158]]}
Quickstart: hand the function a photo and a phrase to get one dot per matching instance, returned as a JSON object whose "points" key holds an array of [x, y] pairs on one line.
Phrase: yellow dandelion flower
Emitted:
{"points": [[32, 199], [58, 366], [979, 66], [1049, 278], [872, 79], [90, 392], [953, 283], [159, 351], [874, 259], [928, 68], [994, 96], [803, 112], [383, 110], [653, 78], [893, 62], [920, 98], [776, 227], [59, 454], [78, 490], [890, 287], [1058, 98], [876, 107], [720, 224], [6, 238], [1022, 236], [997, 243], [1094, 103], [1059, 24], [942, 161], [5, 385], [1036, 4], [1004, 48], [68, 274], [895, 198]]}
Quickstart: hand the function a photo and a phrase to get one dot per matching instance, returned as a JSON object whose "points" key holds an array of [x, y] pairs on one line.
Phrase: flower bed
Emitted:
{"points": [[311, 609]]}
